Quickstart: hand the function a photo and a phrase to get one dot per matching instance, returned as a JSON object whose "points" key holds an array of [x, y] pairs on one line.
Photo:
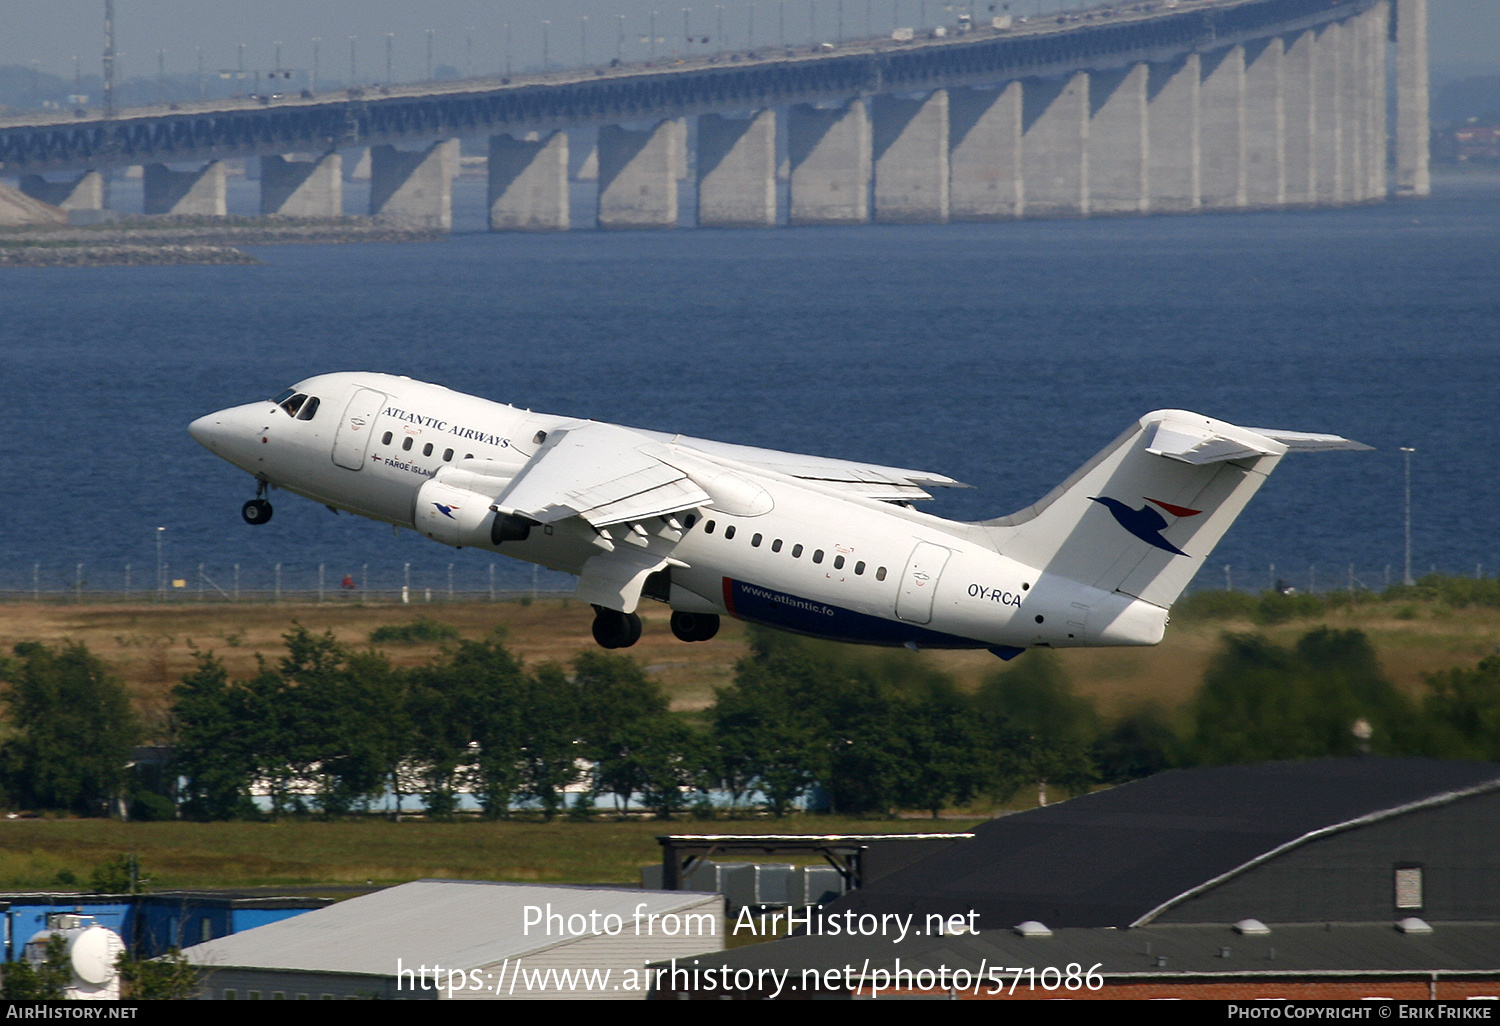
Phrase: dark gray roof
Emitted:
{"points": [[1163, 951], [1115, 857]]}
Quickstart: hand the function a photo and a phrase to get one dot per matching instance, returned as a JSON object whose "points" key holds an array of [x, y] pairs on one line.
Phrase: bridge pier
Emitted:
{"points": [[85, 192], [414, 188], [638, 176], [1378, 22], [1413, 176], [1265, 126], [910, 158], [1221, 103], [1328, 141], [1117, 140], [1055, 153], [830, 158], [302, 188], [737, 170], [1352, 81], [200, 193], [1173, 164], [984, 157], [1300, 106], [528, 183]]}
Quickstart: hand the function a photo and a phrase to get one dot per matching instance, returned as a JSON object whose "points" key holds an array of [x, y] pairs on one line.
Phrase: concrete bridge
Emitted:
{"points": [[1146, 107]]}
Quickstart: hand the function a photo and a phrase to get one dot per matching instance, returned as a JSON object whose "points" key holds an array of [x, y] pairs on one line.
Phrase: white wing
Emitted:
{"points": [[602, 473]]}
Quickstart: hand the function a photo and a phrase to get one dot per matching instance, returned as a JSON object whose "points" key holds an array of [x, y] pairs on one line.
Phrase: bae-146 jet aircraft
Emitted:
{"points": [[824, 547]]}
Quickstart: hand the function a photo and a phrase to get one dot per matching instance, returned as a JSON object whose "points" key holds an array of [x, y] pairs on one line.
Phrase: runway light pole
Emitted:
{"points": [[1406, 451]]}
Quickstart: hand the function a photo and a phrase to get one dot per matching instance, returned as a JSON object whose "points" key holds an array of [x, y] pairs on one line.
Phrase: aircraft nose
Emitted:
{"points": [[209, 432]]}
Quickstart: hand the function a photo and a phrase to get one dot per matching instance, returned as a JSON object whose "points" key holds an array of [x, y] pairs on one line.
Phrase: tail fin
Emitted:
{"points": [[1142, 516]]}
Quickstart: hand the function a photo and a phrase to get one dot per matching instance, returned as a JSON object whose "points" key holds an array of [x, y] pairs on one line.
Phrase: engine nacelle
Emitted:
{"points": [[453, 515]]}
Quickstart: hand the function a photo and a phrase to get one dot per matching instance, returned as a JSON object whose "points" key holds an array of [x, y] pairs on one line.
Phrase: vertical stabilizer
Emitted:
{"points": [[1142, 516]]}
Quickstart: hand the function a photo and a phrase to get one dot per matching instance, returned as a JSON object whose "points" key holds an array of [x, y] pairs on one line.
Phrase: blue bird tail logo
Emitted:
{"points": [[1146, 523]]}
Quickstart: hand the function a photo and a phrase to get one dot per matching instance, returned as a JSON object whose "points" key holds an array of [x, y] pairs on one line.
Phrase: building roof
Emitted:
{"points": [[1120, 857], [1158, 952], [458, 924]]}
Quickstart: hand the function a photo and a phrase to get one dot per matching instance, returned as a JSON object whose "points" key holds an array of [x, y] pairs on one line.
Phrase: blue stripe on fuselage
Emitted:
{"points": [[821, 620]]}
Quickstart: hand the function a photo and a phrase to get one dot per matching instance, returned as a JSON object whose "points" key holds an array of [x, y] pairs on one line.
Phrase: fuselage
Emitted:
{"points": [[792, 553]]}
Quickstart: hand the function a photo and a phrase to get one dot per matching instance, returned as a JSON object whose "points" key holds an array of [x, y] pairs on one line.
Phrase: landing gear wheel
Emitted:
{"points": [[614, 629], [694, 626], [256, 511]]}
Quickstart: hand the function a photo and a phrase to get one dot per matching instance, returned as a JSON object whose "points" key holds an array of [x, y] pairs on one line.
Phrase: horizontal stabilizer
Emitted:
{"points": [[1303, 441], [1202, 441]]}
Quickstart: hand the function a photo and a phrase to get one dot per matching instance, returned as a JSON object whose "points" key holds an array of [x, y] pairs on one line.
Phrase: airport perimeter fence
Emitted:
{"points": [[423, 583], [409, 583]]}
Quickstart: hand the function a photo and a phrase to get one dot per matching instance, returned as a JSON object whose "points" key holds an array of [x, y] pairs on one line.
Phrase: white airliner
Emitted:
{"points": [[824, 547]]}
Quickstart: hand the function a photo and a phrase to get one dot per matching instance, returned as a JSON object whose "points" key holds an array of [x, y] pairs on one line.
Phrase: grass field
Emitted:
{"points": [[150, 647], [305, 855]]}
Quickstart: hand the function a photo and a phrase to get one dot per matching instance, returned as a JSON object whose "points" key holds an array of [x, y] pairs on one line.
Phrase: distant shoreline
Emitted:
{"points": [[187, 240]]}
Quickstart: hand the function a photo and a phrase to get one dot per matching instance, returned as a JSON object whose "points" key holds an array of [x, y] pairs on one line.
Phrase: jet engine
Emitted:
{"points": [[450, 510]]}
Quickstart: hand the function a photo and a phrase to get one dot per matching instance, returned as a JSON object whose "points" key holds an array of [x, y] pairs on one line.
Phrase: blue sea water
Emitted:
{"points": [[1001, 354]]}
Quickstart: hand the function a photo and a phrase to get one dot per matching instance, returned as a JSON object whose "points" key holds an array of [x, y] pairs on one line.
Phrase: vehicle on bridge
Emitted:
{"points": [[825, 547]]}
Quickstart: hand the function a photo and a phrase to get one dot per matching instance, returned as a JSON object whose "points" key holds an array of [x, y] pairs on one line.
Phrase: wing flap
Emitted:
{"points": [[871, 480], [600, 473]]}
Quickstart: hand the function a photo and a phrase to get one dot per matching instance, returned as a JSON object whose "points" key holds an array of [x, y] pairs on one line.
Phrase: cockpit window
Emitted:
{"points": [[294, 404], [309, 409], [284, 396]]}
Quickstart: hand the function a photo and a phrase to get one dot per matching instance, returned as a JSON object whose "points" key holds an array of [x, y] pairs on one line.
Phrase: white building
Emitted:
{"points": [[461, 939]]}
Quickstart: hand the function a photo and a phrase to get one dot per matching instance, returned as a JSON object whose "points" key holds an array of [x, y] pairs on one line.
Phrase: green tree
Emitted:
{"points": [[618, 707], [549, 759], [75, 729], [1261, 701], [772, 719], [168, 977], [1036, 730], [1462, 711], [210, 735], [45, 982], [670, 754]]}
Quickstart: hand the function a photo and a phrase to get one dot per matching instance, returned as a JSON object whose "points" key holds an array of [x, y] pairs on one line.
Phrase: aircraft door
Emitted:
{"points": [[919, 582], [352, 439]]}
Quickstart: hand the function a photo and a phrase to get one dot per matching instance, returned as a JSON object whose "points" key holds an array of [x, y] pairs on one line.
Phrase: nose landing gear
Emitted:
{"points": [[694, 626], [614, 629], [257, 510]]}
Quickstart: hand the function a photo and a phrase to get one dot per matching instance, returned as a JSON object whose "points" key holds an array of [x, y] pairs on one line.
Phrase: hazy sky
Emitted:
{"points": [[471, 34]]}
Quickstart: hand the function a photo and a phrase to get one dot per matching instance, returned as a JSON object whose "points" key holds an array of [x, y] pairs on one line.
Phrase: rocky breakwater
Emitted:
{"points": [[184, 240]]}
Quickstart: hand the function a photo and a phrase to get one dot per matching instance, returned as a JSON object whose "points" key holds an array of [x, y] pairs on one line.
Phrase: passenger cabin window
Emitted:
{"points": [[838, 562], [859, 567], [796, 551], [406, 445], [880, 574], [708, 527], [776, 545], [755, 542], [427, 449], [447, 455], [817, 555], [689, 520], [385, 439], [729, 531], [309, 409]]}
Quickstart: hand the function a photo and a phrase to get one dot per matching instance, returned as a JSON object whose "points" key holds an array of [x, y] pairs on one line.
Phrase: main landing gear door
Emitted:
{"points": [[919, 582], [353, 437]]}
